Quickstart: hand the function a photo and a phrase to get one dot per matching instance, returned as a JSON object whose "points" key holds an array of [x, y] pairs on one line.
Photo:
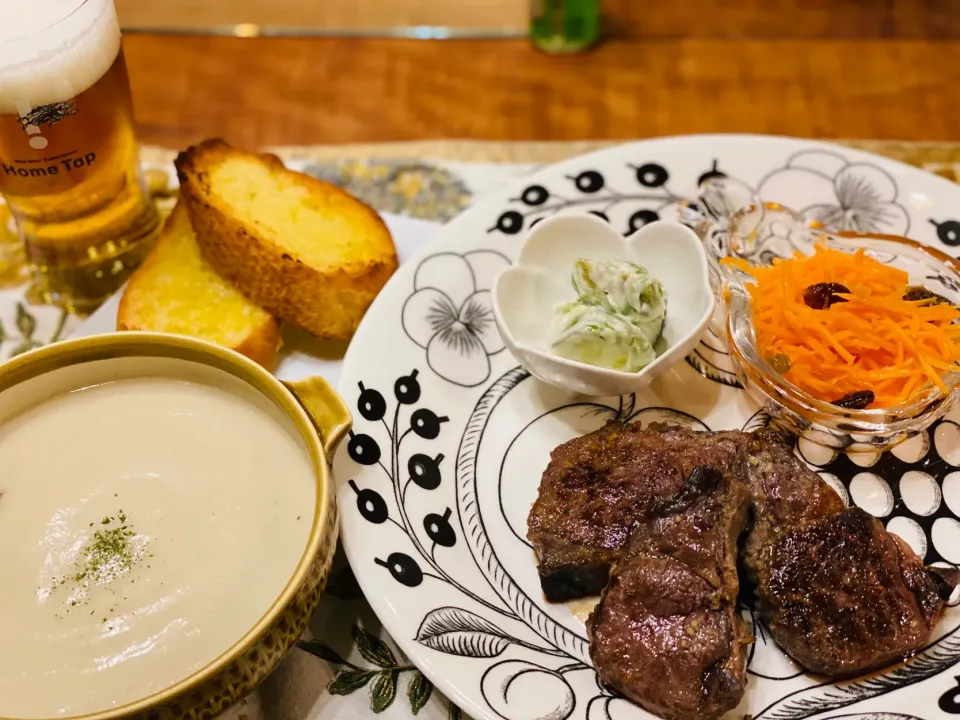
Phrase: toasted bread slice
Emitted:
{"points": [[176, 291], [308, 252]]}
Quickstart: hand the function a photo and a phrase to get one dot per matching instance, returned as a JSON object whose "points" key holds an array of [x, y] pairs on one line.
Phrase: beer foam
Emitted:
{"points": [[52, 50]]}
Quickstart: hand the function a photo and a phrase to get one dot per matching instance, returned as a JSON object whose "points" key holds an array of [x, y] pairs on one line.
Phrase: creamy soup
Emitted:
{"points": [[145, 526]]}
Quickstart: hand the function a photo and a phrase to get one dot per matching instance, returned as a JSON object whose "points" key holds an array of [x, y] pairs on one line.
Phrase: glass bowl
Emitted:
{"points": [[759, 232]]}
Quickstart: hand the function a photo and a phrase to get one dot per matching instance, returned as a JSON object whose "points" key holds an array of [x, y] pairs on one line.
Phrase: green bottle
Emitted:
{"points": [[564, 26]]}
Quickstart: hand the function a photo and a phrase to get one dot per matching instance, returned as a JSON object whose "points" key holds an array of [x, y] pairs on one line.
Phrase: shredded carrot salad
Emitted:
{"points": [[871, 338]]}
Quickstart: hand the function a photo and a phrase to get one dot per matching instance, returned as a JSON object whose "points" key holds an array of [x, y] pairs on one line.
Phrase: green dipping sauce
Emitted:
{"points": [[616, 319]]}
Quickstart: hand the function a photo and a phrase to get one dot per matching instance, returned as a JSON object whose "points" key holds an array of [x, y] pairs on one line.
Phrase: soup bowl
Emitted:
{"points": [[313, 418]]}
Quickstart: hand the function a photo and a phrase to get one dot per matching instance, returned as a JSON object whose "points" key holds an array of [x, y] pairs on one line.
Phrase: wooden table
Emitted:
{"points": [[884, 69]]}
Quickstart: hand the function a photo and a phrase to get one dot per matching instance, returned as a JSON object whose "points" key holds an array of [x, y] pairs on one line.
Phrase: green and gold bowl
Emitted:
{"points": [[321, 421]]}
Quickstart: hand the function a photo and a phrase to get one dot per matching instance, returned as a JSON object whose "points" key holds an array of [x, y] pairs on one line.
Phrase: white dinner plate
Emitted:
{"points": [[451, 437]]}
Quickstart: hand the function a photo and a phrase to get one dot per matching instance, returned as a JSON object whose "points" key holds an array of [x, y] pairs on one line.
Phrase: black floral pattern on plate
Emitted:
{"points": [[449, 629], [450, 314], [824, 185]]}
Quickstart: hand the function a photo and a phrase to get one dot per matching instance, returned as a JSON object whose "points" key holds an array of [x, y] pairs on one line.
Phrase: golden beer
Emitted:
{"points": [[69, 166]]}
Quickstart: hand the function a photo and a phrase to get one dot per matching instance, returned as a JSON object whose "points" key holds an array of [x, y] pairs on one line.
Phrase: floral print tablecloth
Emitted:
{"points": [[346, 666]]}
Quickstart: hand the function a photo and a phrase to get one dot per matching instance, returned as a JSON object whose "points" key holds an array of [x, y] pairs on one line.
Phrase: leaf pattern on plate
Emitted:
{"points": [[460, 632]]}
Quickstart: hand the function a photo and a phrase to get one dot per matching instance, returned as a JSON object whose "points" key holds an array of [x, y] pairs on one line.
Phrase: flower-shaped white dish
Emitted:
{"points": [[525, 296]]}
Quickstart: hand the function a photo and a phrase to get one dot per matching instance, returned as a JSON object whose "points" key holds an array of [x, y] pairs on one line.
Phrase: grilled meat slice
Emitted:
{"points": [[667, 633], [596, 487], [838, 592]]}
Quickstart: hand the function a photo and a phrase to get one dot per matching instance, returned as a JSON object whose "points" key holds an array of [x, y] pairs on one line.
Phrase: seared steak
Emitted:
{"points": [[838, 592], [597, 486], [666, 633]]}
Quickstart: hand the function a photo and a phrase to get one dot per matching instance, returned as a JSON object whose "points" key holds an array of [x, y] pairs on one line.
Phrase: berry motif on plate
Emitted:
{"points": [[948, 231], [450, 314], [647, 200], [714, 173], [949, 702], [452, 630], [422, 470]]}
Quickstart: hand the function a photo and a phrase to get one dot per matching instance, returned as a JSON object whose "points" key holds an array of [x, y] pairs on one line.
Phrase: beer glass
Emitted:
{"points": [[69, 166]]}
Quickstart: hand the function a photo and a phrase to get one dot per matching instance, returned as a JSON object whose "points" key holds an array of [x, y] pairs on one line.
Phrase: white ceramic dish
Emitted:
{"points": [[457, 455], [525, 295]]}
